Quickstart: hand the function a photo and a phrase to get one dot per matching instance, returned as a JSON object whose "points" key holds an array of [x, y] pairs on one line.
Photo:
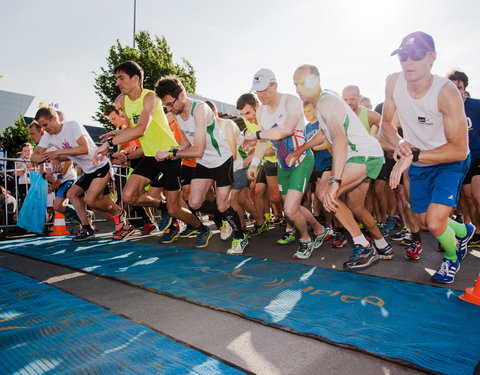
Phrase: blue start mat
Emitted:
{"points": [[46, 331], [420, 324]]}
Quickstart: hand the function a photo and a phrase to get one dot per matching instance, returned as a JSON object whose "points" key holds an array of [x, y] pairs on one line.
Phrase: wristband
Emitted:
{"points": [[44, 174], [415, 153], [257, 134], [110, 141], [332, 180], [255, 162]]}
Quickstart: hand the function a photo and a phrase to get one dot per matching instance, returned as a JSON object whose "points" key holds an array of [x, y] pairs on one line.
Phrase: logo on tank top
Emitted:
{"points": [[135, 118], [424, 121]]}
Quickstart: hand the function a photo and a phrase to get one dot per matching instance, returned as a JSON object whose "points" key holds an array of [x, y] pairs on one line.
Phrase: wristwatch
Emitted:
{"points": [[415, 153], [110, 142], [332, 180], [173, 152], [257, 134]]}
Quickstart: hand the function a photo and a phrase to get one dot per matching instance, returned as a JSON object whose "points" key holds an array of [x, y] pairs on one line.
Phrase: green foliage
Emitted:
{"points": [[14, 136], [153, 55]]}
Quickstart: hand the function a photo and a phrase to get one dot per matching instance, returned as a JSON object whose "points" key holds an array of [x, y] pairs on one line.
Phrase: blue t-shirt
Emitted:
{"points": [[323, 159], [472, 110]]}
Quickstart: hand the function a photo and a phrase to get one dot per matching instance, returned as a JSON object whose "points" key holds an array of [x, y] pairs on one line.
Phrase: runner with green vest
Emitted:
{"points": [[149, 125], [204, 141]]}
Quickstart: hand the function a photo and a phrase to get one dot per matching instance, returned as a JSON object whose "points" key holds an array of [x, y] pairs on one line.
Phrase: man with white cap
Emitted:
{"points": [[281, 121], [434, 147]]}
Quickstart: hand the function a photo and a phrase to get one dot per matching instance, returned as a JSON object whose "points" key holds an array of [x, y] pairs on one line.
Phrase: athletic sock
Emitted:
{"points": [[360, 240], [449, 243], [459, 228], [87, 227], [416, 237], [381, 243], [234, 220], [163, 206]]}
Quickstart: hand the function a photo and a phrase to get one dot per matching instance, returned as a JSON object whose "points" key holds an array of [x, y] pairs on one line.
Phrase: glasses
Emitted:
{"points": [[414, 55], [166, 105]]}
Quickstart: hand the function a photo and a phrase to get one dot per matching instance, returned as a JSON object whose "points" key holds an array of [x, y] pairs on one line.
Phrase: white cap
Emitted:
{"points": [[262, 79]]}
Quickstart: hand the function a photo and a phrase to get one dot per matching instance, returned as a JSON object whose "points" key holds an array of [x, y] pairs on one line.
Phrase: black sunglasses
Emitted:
{"points": [[414, 55]]}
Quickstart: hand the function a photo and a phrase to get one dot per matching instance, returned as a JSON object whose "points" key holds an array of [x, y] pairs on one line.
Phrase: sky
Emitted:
{"points": [[51, 49]]}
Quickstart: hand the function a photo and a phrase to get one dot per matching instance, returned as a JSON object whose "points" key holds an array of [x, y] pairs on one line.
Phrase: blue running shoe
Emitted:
{"points": [[189, 232], [165, 221], [202, 239], [169, 235], [390, 223], [463, 242], [362, 256], [84, 235], [446, 272], [383, 229]]}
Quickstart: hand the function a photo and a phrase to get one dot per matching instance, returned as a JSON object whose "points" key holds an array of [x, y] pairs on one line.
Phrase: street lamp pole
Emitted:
{"points": [[134, 20]]}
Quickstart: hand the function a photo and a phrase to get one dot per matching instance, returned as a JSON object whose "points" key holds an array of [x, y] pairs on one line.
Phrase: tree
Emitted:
{"points": [[14, 136], [153, 55]]}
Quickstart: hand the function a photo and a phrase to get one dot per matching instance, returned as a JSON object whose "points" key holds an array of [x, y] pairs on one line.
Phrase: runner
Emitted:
{"points": [[357, 158], [435, 145], [281, 121], [204, 141]]}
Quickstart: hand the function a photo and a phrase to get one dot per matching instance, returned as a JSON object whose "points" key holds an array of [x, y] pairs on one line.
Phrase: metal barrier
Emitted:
{"points": [[11, 202]]}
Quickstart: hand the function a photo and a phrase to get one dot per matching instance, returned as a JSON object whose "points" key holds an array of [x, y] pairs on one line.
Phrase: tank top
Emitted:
{"points": [[286, 145], [360, 142], [252, 129], [421, 121], [223, 123], [363, 116], [159, 136], [216, 148]]}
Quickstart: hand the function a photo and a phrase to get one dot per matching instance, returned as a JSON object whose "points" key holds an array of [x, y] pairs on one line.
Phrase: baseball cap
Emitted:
{"points": [[262, 79], [416, 41]]}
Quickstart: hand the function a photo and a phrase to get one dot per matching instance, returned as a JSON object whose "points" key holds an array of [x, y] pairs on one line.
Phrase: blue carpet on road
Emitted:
{"points": [[46, 331], [424, 325]]}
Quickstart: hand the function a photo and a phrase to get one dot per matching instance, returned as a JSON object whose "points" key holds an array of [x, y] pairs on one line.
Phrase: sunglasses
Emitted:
{"points": [[414, 55]]}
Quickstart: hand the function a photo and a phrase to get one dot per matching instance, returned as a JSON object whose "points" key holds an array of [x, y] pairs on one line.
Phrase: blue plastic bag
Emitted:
{"points": [[33, 212]]}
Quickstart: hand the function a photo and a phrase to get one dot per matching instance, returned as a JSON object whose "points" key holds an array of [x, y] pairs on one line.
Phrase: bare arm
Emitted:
{"points": [[294, 115]]}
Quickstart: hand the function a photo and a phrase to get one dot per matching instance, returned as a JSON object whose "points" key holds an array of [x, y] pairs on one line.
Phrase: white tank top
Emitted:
{"points": [[216, 148], [421, 121], [223, 123], [360, 142], [285, 145]]}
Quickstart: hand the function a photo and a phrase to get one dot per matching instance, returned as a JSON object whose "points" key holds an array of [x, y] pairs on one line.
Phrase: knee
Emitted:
{"points": [[436, 228], [58, 206], [72, 195], [290, 212], [90, 201], [128, 198], [194, 204]]}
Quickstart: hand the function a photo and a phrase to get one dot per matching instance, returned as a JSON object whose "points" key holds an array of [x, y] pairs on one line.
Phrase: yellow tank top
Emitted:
{"points": [[252, 128], [159, 136], [364, 118]]}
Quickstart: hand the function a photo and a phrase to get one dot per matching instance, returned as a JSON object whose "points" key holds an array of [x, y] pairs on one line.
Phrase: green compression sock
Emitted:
{"points": [[459, 228], [449, 243]]}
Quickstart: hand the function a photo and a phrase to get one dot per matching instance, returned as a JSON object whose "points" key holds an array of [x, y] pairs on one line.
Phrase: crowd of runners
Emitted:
{"points": [[321, 164]]}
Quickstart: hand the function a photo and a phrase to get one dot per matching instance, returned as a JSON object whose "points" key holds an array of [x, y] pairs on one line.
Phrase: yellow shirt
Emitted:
{"points": [[252, 128], [159, 136]]}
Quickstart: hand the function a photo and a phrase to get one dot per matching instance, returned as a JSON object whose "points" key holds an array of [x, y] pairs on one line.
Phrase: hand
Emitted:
{"points": [[120, 156], [100, 153], [252, 172], [330, 198], [51, 155], [56, 165], [402, 150], [293, 157], [112, 133], [400, 166], [162, 155], [249, 141]]}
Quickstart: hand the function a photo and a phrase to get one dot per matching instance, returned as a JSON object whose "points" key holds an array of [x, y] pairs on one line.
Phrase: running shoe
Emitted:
{"points": [[189, 232], [148, 228], [169, 235], [407, 239], [288, 238], [202, 239], [84, 235], [390, 224], [226, 231], [165, 221], [362, 257], [413, 251], [277, 219], [123, 233], [238, 246], [119, 221], [474, 242], [400, 235], [386, 253], [446, 272], [462, 242], [305, 250], [320, 238], [383, 229], [339, 240], [258, 230]]}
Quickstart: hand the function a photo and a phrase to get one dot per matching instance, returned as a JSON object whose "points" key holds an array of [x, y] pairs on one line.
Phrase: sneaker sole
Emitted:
{"points": [[83, 239], [412, 258], [226, 238], [370, 263], [339, 246], [385, 257], [190, 235], [297, 256], [170, 240], [206, 242], [286, 243]]}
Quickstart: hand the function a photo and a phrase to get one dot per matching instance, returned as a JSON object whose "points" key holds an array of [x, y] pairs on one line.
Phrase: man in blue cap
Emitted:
{"points": [[434, 145]]}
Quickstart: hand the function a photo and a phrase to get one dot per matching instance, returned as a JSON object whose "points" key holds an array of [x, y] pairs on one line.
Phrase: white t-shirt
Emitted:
{"points": [[67, 138]]}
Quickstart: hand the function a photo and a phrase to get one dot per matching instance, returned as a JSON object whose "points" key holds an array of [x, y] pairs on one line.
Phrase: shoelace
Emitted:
{"points": [[357, 251], [444, 267]]}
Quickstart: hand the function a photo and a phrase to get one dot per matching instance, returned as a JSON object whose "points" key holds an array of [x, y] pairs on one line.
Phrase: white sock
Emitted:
{"points": [[360, 240], [381, 244]]}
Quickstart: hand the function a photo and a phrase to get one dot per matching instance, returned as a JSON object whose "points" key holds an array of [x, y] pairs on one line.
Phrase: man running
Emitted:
{"points": [[435, 145], [281, 121]]}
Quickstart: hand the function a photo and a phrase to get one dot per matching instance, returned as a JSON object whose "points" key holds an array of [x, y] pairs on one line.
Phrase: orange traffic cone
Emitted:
{"points": [[472, 295], [59, 226]]}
